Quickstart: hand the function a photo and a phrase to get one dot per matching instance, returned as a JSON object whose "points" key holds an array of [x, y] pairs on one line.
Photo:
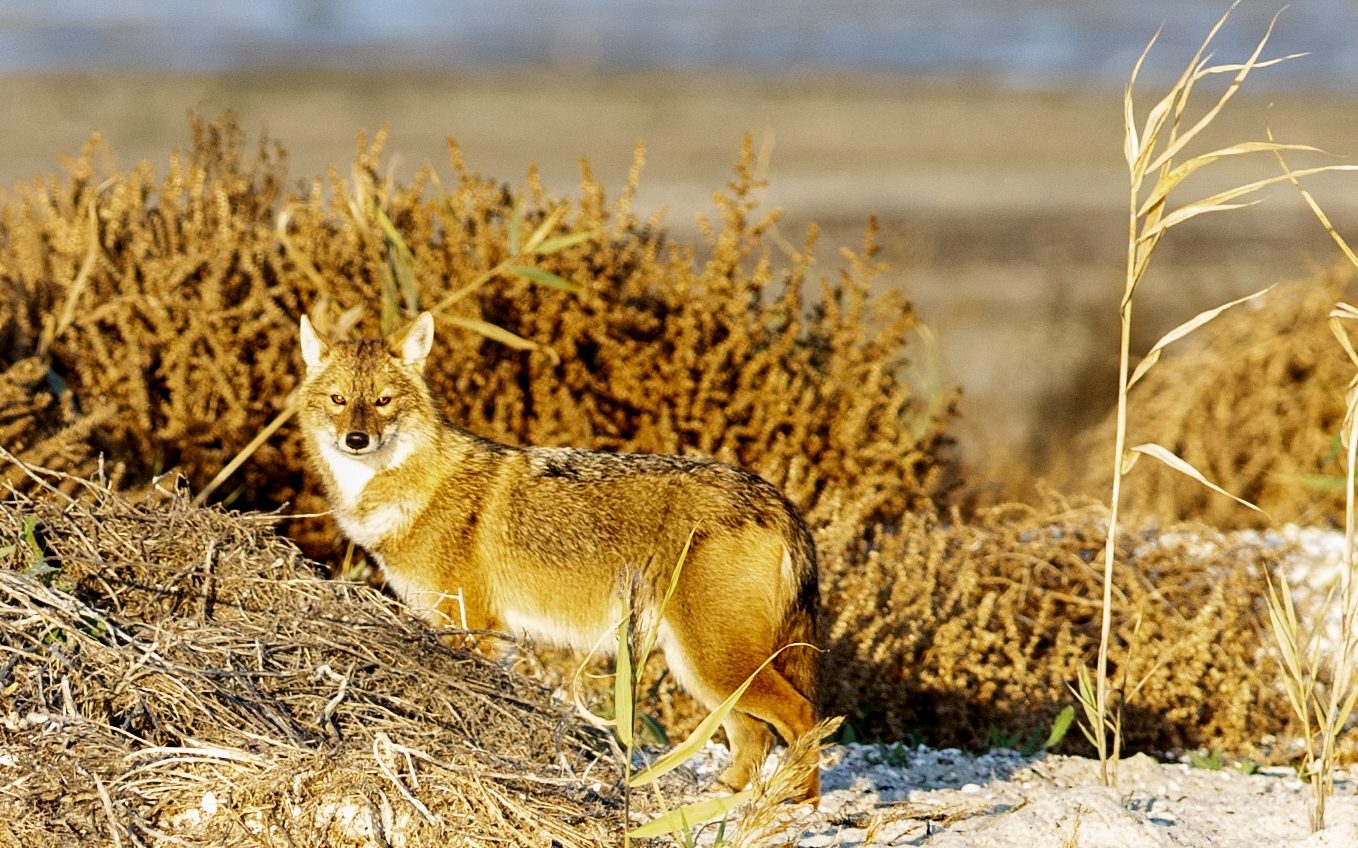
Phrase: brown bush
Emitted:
{"points": [[1254, 400], [969, 633], [182, 298]]}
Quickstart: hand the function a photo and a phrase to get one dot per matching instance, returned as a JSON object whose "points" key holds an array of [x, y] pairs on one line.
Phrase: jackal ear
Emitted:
{"points": [[313, 348], [414, 346]]}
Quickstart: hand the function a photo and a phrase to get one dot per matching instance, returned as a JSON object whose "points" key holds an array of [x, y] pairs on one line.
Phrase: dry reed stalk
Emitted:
{"points": [[1155, 171], [1324, 703]]}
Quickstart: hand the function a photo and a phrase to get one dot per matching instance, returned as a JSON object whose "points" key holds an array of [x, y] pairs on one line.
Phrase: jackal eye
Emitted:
{"points": [[337, 400], [382, 401]]}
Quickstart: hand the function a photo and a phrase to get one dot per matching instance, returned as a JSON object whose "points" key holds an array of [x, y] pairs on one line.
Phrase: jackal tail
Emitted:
{"points": [[801, 664]]}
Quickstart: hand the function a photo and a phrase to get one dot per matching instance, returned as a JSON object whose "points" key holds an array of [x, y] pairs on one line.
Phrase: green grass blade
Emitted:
{"points": [[689, 814], [390, 308], [706, 729], [1060, 726], [1084, 694], [543, 277], [559, 243], [402, 261], [655, 728], [622, 684], [1317, 482], [28, 528]]}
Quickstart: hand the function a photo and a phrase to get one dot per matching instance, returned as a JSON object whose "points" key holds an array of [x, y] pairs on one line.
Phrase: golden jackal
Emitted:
{"points": [[544, 541]]}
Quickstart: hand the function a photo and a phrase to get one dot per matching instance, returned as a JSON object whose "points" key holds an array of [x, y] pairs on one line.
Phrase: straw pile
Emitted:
{"points": [[178, 675]]}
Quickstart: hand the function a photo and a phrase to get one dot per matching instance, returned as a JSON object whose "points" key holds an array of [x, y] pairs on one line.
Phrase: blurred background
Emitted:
{"points": [[985, 135]]}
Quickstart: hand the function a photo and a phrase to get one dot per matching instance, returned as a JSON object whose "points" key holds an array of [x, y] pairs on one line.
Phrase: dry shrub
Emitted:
{"points": [[183, 302], [1254, 400], [174, 673], [42, 423], [153, 321], [155, 303], [970, 632]]}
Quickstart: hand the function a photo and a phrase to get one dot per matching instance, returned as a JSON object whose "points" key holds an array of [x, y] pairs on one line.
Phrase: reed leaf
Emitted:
{"points": [[1241, 71], [683, 818], [556, 244], [1153, 355], [1169, 458], [1190, 211], [493, 332], [541, 232], [1180, 172], [543, 277]]}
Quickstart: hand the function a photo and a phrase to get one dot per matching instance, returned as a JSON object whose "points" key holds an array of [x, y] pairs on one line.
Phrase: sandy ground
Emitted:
{"points": [[896, 796], [1002, 211]]}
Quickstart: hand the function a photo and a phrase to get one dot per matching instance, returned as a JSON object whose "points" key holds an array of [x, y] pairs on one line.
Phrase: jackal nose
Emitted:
{"points": [[356, 440]]}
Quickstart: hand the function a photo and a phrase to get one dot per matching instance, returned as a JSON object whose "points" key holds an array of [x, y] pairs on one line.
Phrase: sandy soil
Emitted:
{"points": [[883, 796], [1002, 210]]}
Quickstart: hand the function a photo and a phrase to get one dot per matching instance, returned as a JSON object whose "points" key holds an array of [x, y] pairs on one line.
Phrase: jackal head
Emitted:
{"points": [[367, 399]]}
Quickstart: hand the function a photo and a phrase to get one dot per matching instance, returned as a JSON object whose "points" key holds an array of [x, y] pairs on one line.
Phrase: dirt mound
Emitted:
{"points": [[1254, 400], [176, 673]]}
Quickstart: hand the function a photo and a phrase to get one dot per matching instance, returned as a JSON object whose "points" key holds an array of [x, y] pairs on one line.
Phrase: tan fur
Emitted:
{"points": [[546, 541]]}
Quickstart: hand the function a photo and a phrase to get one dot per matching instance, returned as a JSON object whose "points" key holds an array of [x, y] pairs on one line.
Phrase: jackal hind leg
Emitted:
{"points": [[750, 742], [772, 698]]}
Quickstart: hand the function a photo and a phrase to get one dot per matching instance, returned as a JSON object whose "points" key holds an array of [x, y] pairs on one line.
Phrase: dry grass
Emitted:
{"points": [[180, 650], [175, 672], [1160, 159], [153, 321], [1322, 679]]}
